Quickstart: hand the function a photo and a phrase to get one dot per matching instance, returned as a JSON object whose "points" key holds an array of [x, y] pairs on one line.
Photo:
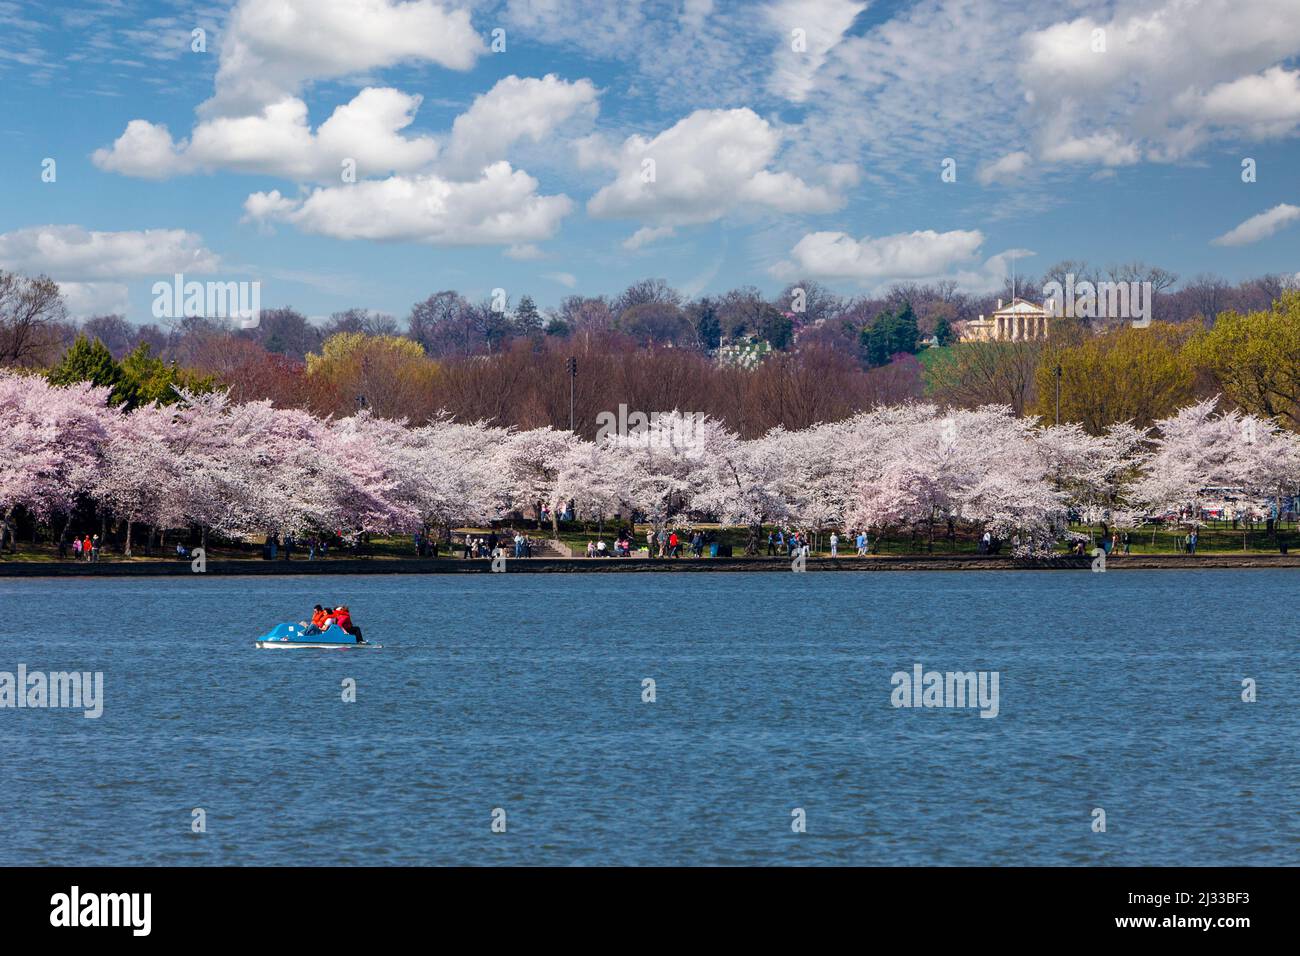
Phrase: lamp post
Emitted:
{"points": [[571, 366], [1057, 372]]}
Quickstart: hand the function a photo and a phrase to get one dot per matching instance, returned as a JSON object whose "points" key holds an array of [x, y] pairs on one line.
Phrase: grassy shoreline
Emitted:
{"points": [[1214, 539], [924, 562]]}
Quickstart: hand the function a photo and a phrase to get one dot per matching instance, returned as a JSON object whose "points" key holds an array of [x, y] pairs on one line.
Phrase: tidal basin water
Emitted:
{"points": [[1120, 691]]}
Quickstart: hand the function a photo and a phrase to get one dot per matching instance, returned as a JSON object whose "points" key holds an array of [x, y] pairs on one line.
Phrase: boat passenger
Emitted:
{"points": [[343, 618]]}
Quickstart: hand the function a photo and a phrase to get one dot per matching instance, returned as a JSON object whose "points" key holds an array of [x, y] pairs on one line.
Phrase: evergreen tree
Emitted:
{"points": [[139, 379], [707, 327], [890, 334], [943, 333], [905, 336], [776, 328], [146, 379], [528, 320], [86, 360]]}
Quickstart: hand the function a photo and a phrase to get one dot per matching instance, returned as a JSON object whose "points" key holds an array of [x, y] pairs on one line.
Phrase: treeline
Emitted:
{"points": [[652, 349]]}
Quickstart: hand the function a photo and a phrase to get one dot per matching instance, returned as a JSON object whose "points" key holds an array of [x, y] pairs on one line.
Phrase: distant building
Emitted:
{"points": [[747, 351], [1021, 320]]}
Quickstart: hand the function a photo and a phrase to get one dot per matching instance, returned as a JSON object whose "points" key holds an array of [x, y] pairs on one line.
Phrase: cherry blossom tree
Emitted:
{"points": [[746, 485], [139, 473], [1193, 450], [240, 469], [594, 480], [675, 460], [51, 441], [457, 473], [533, 462]]}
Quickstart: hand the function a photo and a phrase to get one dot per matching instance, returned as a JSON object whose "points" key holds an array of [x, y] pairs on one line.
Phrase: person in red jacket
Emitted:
{"points": [[343, 618]]}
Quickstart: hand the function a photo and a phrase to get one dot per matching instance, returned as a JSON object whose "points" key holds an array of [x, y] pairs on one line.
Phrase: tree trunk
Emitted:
{"points": [[127, 549]]}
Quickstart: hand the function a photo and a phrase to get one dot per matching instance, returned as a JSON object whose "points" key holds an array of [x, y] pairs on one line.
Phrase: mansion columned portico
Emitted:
{"points": [[1021, 320]]}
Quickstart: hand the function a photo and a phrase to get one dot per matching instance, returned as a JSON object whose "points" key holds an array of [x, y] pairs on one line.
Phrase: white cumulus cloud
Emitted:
{"points": [[502, 207], [700, 169], [904, 255], [271, 48], [74, 253], [279, 141], [514, 109]]}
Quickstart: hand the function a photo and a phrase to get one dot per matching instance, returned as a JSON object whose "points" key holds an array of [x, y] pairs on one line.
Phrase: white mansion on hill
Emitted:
{"points": [[1021, 319]]}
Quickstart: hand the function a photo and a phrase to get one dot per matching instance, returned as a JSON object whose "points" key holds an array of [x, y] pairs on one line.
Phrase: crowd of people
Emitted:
{"points": [[83, 549], [514, 543], [664, 544], [671, 543]]}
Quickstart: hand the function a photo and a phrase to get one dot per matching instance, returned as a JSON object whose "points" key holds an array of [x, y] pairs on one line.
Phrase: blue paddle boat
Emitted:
{"points": [[291, 635]]}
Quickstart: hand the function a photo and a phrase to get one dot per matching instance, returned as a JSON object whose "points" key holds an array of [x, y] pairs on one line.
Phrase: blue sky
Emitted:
{"points": [[1104, 132]]}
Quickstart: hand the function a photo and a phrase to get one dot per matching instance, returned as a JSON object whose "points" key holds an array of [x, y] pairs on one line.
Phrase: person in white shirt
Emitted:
{"points": [[835, 544]]}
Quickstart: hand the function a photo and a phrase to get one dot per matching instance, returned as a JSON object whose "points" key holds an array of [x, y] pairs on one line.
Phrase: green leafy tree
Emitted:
{"points": [[1255, 358]]}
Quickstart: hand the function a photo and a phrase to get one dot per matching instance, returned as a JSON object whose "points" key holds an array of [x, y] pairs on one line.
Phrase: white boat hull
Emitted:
{"points": [[286, 645]]}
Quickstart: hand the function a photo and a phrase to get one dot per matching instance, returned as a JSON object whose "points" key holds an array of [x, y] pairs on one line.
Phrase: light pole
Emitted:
{"points": [[571, 366], [1057, 372]]}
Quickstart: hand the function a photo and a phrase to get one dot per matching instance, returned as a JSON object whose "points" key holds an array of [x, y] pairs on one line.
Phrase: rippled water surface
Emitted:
{"points": [[524, 692]]}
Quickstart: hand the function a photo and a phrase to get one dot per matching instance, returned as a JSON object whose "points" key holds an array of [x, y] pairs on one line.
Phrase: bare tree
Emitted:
{"points": [[1207, 293], [988, 373], [117, 334], [30, 311], [361, 320]]}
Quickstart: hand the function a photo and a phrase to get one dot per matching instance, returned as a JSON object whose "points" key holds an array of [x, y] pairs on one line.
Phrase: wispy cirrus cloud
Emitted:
{"points": [[1260, 226]]}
